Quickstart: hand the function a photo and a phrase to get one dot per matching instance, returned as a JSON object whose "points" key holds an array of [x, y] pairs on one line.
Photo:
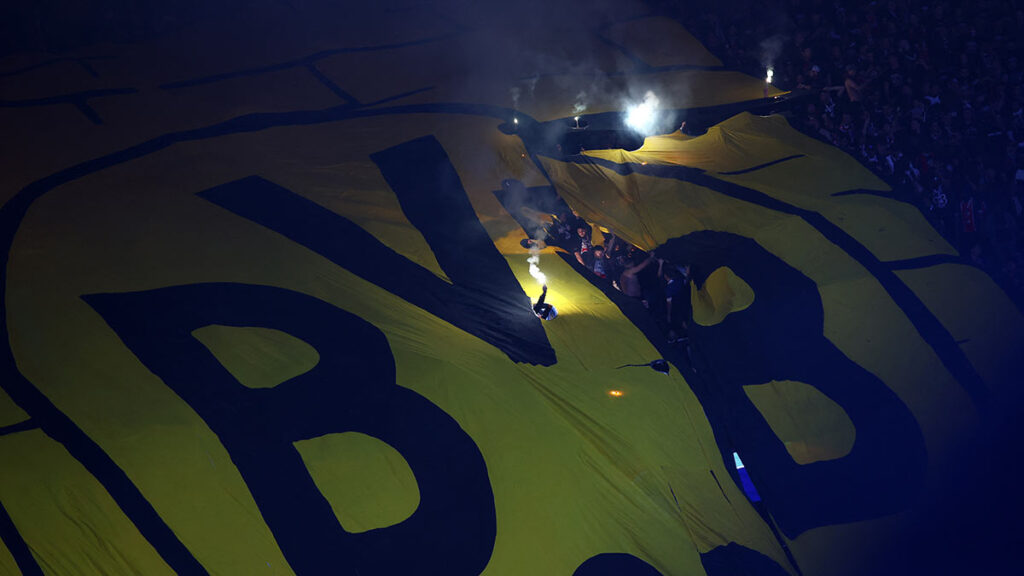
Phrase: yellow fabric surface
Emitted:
{"points": [[891, 230], [575, 472], [258, 357], [721, 294], [9, 411], [943, 409], [7, 564], [861, 318], [992, 336], [51, 498], [367, 482], [812, 426], [568, 463]]}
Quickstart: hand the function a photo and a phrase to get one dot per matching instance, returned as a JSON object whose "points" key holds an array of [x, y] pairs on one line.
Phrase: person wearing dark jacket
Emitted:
{"points": [[542, 309]]}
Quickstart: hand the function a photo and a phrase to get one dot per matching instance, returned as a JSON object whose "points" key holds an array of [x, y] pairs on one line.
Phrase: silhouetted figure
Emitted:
{"points": [[542, 309], [629, 283]]}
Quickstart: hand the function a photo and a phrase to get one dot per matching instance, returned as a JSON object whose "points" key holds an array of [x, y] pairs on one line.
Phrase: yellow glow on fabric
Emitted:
{"points": [[615, 393], [811, 425], [567, 291], [367, 482], [258, 357]]}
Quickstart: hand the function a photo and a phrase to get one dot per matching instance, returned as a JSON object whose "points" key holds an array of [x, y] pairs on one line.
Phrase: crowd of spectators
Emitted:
{"points": [[662, 287], [928, 94]]}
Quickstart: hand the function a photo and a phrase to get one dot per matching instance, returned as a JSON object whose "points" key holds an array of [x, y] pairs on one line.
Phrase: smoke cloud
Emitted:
{"points": [[771, 48], [531, 85], [581, 103], [524, 89], [534, 261]]}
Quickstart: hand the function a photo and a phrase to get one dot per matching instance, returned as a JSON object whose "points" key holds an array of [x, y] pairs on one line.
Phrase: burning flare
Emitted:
{"points": [[641, 117]]}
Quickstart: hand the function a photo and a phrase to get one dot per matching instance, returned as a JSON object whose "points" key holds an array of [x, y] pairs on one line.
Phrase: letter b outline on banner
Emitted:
{"points": [[352, 389]]}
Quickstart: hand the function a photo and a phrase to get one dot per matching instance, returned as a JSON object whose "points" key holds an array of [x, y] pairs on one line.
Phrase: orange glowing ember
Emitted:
{"points": [[615, 393]]}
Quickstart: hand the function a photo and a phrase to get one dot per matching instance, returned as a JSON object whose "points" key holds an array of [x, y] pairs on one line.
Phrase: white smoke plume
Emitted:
{"points": [[534, 261], [771, 47], [531, 85], [581, 103], [539, 235]]}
